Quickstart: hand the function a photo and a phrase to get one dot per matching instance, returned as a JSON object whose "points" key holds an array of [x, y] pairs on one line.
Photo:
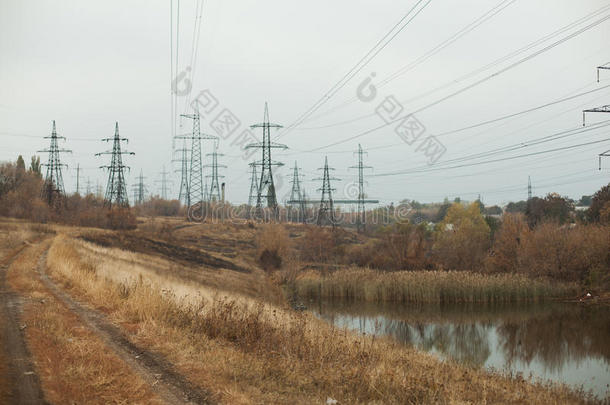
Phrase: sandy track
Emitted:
{"points": [[172, 387], [18, 371]]}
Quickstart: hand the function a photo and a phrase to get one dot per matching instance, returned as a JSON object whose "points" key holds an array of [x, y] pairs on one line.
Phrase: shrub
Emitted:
{"points": [[462, 238], [273, 246], [507, 244], [553, 207], [400, 246], [319, 244], [564, 252], [599, 205]]}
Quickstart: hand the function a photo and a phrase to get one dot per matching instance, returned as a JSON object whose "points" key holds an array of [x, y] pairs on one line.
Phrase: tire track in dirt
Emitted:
{"points": [[172, 387], [20, 373]]}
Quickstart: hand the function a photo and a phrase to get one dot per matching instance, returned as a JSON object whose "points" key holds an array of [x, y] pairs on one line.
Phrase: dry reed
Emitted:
{"points": [[428, 286]]}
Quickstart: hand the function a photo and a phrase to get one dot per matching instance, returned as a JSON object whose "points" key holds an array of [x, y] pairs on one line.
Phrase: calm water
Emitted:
{"points": [[556, 342]]}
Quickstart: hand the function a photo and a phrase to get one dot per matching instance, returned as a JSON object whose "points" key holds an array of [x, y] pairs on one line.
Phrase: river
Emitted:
{"points": [[556, 342]]}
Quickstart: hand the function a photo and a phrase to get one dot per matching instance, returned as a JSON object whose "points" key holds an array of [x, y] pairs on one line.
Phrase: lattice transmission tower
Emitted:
{"points": [[214, 186], [266, 187], [196, 189], [165, 182], [139, 190], [183, 195], [326, 212], [297, 196], [116, 190], [53, 186], [361, 218], [78, 170], [529, 188], [253, 185]]}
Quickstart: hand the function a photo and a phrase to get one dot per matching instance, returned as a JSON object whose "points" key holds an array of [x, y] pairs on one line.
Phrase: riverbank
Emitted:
{"points": [[428, 287], [259, 353]]}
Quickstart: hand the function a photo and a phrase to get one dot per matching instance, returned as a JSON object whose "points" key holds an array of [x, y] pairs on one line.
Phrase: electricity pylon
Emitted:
{"points": [[183, 195], [361, 218], [605, 66], [253, 186], [116, 191], [78, 178], [53, 186], [164, 182], [214, 187], [529, 188], [297, 195], [326, 210], [266, 188], [602, 109], [88, 189], [601, 155], [195, 183], [139, 190]]}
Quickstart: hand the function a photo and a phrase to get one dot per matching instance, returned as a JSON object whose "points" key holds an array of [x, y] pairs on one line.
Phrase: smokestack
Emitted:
{"points": [[223, 193]]}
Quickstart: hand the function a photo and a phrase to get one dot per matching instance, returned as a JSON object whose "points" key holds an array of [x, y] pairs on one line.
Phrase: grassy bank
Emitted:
{"points": [[262, 354], [73, 364], [428, 286]]}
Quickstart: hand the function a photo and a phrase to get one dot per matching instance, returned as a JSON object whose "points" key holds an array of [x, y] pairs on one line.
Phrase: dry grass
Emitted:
{"points": [[13, 234], [73, 364], [428, 286], [253, 353]]}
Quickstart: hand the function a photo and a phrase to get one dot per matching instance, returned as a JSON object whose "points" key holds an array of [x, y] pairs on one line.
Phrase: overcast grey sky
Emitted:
{"points": [[88, 64]]}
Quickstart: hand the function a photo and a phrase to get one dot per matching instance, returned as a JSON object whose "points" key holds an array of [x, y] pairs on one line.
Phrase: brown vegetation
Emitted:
{"points": [[73, 364], [20, 197], [273, 246], [428, 286], [247, 353], [579, 253]]}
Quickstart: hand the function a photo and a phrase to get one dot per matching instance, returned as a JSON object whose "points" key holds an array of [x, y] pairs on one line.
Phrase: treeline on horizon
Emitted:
{"points": [[545, 236]]}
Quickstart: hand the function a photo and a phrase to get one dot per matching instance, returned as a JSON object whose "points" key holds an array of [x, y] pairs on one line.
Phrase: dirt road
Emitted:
{"points": [[172, 387], [19, 380], [20, 384]]}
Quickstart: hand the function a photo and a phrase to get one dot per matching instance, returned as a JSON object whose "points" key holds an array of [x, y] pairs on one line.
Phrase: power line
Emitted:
{"points": [[491, 161], [484, 68], [439, 47], [504, 117], [527, 143], [194, 49], [470, 86], [472, 126], [358, 66]]}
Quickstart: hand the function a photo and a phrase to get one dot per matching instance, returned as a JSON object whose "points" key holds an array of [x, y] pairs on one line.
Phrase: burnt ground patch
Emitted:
{"points": [[181, 254]]}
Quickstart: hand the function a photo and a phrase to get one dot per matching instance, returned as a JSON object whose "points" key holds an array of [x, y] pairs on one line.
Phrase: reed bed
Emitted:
{"points": [[429, 287]]}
